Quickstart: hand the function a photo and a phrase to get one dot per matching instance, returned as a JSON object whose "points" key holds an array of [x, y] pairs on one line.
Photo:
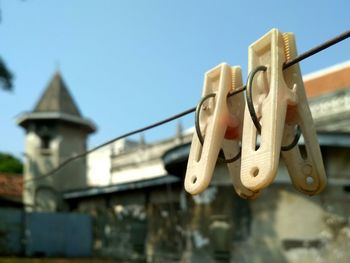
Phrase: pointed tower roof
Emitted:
{"points": [[57, 98], [56, 103]]}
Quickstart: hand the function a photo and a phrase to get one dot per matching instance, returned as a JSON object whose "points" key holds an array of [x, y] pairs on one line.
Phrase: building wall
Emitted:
{"points": [[119, 225], [281, 225], [143, 162], [99, 167], [99, 163], [165, 224], [327, 80], [72, 143], [38, 161], [65, 142], [331, 112]]}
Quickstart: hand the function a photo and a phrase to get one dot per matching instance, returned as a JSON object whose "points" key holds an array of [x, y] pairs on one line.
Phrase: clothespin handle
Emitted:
{"points": [[222, 125], [270, 98], [307, 172], [202, 158], [233, 137]]}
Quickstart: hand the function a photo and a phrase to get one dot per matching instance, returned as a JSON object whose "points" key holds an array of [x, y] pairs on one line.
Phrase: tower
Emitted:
{"points": [[55, 131]]}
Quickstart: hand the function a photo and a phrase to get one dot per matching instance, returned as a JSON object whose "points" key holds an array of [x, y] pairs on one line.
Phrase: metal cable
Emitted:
{"points": [[151, 126], [318, 49], [254, 117], [221, 156], [288, 64]]}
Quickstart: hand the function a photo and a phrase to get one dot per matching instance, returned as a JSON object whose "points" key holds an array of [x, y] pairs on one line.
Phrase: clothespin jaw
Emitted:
{"points": [[270, 96], [221, 118], [233, 137], [307, 172], [275, 106], [278, 105]]}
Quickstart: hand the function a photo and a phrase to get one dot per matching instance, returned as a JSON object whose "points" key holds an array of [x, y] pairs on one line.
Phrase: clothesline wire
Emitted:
{"points": [[288, 64]]}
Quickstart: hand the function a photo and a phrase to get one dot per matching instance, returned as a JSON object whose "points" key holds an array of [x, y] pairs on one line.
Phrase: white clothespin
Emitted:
{"points": [[221, 118], [273, 94]]}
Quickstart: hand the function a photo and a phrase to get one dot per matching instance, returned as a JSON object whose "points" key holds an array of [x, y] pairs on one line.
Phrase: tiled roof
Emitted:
{"points": [[328, 80], [11, 185]]}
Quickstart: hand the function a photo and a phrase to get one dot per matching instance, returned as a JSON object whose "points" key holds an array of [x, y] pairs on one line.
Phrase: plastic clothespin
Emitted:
{"points": [[221, 125], [279, 103], [307, 173]]}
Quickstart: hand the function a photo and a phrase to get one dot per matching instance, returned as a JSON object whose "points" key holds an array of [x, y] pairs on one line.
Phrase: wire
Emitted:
{"points": [[288, 64], [318, 49], [306, 54], [221, 156], [252, 112], [151, 126]]}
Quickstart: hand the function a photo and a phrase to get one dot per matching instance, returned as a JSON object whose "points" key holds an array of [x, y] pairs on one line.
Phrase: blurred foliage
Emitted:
{"points": [[6, 77], [10, 164]]}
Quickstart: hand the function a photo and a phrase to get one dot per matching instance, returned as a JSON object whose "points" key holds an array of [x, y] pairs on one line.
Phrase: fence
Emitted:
{"points": [[45, 234]]}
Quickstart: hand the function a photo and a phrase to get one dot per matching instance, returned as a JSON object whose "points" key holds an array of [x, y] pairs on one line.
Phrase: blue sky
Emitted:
{"points": [[131, 63]]}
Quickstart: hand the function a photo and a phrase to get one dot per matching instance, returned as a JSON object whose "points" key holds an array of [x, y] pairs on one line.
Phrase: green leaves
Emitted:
{"points": [[10, 164]]}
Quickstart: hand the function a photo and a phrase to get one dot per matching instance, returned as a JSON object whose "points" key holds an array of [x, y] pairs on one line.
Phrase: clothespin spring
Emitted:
{"points": [[253, 115], [248, 88], [199, 107]]}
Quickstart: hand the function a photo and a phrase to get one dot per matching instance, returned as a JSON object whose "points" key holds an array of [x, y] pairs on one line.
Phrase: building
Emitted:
{"points": [[136, 179], [55, 131], [134, 193], [329, 94]]}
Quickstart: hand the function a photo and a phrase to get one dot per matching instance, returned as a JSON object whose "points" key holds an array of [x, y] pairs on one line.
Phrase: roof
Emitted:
{"points": [[37, 116], [331, 111], [327, 80], [175, 159], [141, 184], [11, 185], [56, 104], [56, 98]]}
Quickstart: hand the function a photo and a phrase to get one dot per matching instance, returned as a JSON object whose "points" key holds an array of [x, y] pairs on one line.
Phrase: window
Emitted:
{"points": [[45, 142]]}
